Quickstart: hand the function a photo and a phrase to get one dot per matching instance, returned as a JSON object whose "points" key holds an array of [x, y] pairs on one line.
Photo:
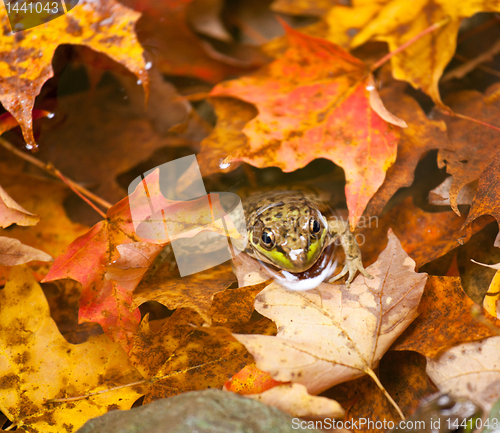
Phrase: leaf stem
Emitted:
{"points": [[139, 382], [462, 116], [77, 189], [415, 38], [372, 374], [92, 394]]}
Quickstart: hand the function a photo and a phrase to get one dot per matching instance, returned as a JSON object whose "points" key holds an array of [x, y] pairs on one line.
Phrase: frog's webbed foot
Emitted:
{"points": [[352, 252]]}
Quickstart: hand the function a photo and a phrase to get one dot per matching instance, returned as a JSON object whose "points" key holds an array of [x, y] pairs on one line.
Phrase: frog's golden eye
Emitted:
{"points": [[267, 238], [314, 226]]}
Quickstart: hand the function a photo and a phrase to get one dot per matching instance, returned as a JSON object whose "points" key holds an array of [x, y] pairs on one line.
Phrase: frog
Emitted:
{"points": [[442, 413], [291, 229]]}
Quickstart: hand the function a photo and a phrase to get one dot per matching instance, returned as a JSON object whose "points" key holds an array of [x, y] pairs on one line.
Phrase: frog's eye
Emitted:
{"points": [[314, 226], [267, 238]]}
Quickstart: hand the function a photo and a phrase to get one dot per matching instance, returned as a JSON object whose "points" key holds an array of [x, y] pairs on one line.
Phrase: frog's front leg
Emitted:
{"points": [[340, 229]]}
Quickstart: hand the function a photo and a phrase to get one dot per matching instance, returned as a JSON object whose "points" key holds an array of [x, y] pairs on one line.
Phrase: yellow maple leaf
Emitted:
{"points": [[38, 365], [398, 21]]}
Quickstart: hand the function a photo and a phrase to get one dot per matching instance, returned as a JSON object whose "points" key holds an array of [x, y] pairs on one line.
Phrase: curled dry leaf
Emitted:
{"points": [[469, 369], [440, 196], [471, 145], [317, 101], [27, 63], [294, 399], [204, 15], [12, 213], [35, 353], [13, 252], [487, 199], [332, 334]]}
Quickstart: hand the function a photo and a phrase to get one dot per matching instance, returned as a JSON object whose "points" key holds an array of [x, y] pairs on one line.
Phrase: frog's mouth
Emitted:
{"points": [[323, 269]]}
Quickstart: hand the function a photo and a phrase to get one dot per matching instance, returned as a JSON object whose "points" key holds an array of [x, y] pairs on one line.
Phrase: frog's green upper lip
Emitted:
{"points": [[278, 258]]}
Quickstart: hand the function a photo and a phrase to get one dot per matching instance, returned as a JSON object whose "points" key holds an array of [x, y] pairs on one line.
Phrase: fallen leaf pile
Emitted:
{"points": [[391, 108]]}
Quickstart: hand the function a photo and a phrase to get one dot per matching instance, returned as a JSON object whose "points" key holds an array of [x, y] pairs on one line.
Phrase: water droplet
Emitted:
{"points": [[223, 164]]}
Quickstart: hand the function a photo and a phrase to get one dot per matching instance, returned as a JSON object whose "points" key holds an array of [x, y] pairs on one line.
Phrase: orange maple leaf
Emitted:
{"points": [[318, 101], [105, 26]]}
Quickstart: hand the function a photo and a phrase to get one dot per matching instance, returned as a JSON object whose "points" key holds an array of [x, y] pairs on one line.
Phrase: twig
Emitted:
{"points": [[415, 38], [10, 427], [78, 193], [478, 29], [471, 64], [49, 168]]}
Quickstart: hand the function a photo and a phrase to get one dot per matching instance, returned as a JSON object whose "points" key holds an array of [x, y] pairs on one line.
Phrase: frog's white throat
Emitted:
{"points": [[322, 270]]}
